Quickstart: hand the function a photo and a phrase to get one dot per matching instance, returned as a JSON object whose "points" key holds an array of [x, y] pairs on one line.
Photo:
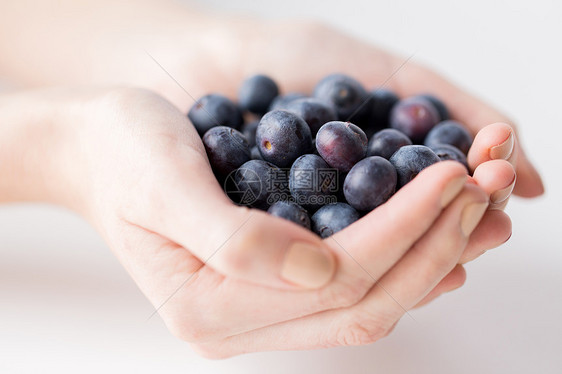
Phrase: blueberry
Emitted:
{"points": [[410, 160], [290, 211], [439, 105], [255, 153], [332, 218], [450, 132], [257, 93], [312, 182], [341, 144], [382, 102], [227, 149], [414, 116], [449, 152], [314, 112], [249, 131], [214, 110], [387, 141], [283, 136], [370, 183], [346, 95], [281, 101], [260, 184]]}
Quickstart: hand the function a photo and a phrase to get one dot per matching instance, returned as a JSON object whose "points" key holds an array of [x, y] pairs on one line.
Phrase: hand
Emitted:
{"points": [[135, 196], [224, 277]]}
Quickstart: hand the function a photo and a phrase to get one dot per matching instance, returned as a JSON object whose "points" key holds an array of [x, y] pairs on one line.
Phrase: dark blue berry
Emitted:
{"points": [[332, 218], [214, 110], [341, 144], [227, 149], [249, 131], [414, 116], [313, 183], [410, 160], [290, 211], [452, 133], [281, 101], [255, 153], [449, 152], [260, 184], [346, 95], [314, 112], [439, 105], [382, 102], [387, 141], [283, 136], [370, 183], [257, 93]]}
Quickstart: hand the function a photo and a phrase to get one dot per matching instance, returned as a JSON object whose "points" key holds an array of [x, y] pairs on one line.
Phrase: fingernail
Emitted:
{"points": [[471, 215], [307, 265], [503, 151], [501, 195], [452, 189]]}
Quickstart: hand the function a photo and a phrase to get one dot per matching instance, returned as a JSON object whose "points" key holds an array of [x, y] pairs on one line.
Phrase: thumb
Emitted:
{"points": [[189, 207]]}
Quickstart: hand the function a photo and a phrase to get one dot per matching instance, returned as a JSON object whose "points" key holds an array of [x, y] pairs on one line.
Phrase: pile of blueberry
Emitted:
{"points": [[323, 160]]}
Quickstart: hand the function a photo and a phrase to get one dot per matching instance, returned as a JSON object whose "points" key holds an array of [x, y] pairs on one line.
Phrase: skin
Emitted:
{"points": [[128, 160]]}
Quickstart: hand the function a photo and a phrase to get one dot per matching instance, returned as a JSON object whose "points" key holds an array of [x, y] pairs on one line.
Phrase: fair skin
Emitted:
{"points": [[129, 161]]}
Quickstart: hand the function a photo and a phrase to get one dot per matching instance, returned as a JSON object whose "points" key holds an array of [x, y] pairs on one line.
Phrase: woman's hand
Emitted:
{"points": [[226, 278]]}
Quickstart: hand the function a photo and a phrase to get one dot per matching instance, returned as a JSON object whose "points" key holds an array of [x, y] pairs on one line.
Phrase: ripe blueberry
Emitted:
{"points": [[414, 116], [332, 218], [290, 211], [450, 132], [313, 183], [227, 149], [346, 95], [370, 183], [341, 144], [257, 93], [449, 152], [387, 141], [283, 136], [260, 184], [314, 112], [410, 160], [214, 110], [439, 105]]}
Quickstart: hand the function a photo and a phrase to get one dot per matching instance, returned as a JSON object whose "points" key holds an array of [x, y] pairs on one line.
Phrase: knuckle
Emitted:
{"points": [[187, 331], [362, 330], [123, 97], [238, 253], [441, 263], [344, 294]]}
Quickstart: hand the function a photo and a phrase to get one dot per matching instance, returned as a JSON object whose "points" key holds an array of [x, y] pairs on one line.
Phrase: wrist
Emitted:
{"points": [[34, 138]]}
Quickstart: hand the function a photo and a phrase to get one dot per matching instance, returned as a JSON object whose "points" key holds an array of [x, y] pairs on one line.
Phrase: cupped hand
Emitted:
{"points": [[230, 279]]}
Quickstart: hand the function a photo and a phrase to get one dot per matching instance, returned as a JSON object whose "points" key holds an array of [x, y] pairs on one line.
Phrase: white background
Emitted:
{"points": [[67, 306]]}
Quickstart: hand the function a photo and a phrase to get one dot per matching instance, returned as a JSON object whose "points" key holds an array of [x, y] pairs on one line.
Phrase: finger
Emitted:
{"points": [[414, 79], [361, 261], [396, 225], [455, 279], [405, 285], [494, 230], [497, 179], [493, 142]]}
